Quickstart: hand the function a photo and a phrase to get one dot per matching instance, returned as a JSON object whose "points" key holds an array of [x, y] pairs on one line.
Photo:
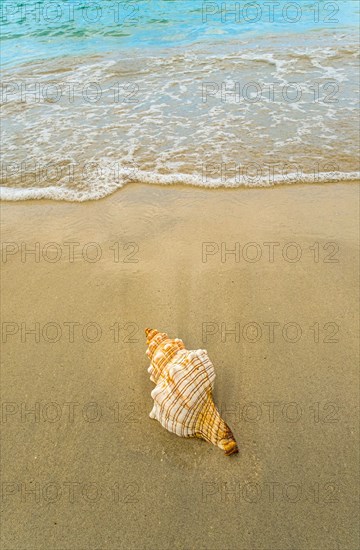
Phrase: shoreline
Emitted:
{"points": [[354, 180]]}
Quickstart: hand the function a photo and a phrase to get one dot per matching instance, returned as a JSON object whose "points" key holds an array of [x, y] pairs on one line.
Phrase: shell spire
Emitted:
{"points": [[183, 401]]}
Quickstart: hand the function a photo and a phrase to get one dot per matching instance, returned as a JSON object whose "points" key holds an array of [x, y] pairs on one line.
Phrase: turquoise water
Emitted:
{"points": [[40, 29], [98, 94]]}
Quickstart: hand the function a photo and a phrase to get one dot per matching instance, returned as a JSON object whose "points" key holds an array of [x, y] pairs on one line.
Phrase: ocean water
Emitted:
{"points": [[99, 94]]}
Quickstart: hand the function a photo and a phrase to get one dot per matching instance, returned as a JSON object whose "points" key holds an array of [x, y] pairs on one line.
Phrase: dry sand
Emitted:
{"points": [[88, 468]]}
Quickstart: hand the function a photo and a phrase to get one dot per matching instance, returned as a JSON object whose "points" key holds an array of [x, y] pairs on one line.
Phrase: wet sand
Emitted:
{"points": [[83, 465]]}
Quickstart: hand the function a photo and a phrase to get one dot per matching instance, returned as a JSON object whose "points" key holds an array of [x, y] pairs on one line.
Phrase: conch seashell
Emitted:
{"points": [[183, 402]]}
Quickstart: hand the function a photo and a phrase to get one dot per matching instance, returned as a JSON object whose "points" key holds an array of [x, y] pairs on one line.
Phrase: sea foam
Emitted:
{"points": [[102, 191]]}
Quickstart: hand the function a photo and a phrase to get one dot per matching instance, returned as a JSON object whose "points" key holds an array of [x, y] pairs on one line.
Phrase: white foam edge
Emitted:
{"points": [[72, 195]]}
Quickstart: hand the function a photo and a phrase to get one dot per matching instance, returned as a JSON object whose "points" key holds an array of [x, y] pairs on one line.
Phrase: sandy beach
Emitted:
{"points": [[265, 280]]}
